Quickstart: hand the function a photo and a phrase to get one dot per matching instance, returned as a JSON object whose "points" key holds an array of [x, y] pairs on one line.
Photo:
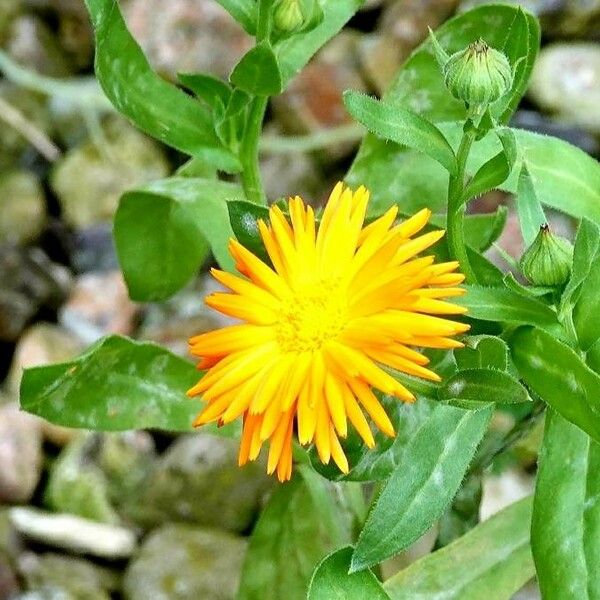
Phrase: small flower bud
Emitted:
{"points": [[547, 262], [477, 75], [288, 16]]}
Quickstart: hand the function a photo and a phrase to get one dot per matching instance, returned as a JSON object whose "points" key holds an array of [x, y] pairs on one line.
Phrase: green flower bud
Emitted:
{"points": [[288, 16], [478, 75], [547, 262]]}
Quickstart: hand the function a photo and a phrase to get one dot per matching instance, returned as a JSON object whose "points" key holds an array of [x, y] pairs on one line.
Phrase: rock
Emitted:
{"points": [[179, 562], [198, 480], [74, 533], [313, 100], [31, 42], [559, 18], [10, 543], [187, 36], [22, 207], [66, 577], [20, 454], [173, 322], [97, 472], [9, 586], [93, 249], [402, 27], [566, 81], [30, 281], [89, 180], [501, 490], [285, 174], [380, 58], [9, 9], [41, 344], [99, 305], [77, 486], [15, 150]]}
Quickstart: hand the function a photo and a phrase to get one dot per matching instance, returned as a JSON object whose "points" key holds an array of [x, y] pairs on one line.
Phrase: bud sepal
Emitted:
{"points": [[547, 262]]}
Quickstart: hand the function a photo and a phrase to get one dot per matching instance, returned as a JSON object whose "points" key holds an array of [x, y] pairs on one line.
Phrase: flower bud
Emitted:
{"points": [[477, 75], [288, 15], [548, 260]]}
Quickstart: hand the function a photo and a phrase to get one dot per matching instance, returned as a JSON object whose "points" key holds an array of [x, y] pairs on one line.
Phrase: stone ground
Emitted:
{"points": [[143, 515]]}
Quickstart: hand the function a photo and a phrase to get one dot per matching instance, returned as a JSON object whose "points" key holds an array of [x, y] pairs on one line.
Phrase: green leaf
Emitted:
{"points": [[565, 529], [558, 376], [531, 213], [496, 170], [286, 545], [243, 11], [243, 216], [160, 232], [487, 273], [585, 312], [331, 580], [117, 385], [295, 52], [155, 106], [492, 561], [585, 254], [482, 230], [423, 485], [521, 46], [213, 91], [483, 352], [258, 72], [401, 126], [476, 386], [563, 176], [496, 304]]}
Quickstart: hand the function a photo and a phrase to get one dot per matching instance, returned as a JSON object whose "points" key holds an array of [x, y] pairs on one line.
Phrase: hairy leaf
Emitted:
{"points": [[161, 233], [423, 485], [117, 385], [155, 106], [401, 126], [492, 561], [565, 531], [331, 580], [558, 376]]}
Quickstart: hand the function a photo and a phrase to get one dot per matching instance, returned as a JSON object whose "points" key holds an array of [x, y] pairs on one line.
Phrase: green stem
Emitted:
{"points": [[314, 141], [251, 179], [456, 207]]}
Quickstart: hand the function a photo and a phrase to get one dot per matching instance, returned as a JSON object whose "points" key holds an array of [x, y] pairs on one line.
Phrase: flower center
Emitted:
{"points": [[311, 316]]}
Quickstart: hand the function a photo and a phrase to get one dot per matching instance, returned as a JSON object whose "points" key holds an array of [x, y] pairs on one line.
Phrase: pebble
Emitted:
{"points": [[20, 454], [74, 533], [566, 82], [89, 179], [187, 36], [178, 562], [22, 207], [99, 305]]}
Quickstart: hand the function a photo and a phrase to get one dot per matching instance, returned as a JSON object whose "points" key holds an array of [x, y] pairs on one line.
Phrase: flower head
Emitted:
{"points": [[340, 302]]}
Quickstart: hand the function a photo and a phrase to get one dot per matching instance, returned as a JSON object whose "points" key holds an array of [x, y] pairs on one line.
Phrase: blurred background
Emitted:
{"points": [[168, 516]]}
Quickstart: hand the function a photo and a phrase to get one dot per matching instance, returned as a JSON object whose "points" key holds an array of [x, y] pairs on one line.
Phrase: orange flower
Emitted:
{"points": [[340, 302]]}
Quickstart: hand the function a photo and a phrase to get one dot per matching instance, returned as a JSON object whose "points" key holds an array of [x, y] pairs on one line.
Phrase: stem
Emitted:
{"points": [[36, 137], [314, 141], [456, 208], [251, 179]]}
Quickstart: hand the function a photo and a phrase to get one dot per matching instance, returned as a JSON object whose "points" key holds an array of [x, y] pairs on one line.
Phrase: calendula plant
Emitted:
{"points": [[371, 351]]}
